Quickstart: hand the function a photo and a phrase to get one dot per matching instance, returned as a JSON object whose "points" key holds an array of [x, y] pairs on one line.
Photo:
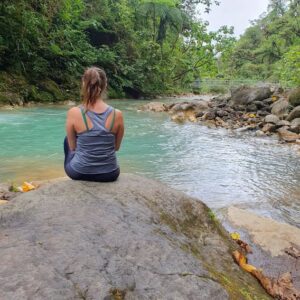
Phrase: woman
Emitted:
{"points": [[94, 133]]}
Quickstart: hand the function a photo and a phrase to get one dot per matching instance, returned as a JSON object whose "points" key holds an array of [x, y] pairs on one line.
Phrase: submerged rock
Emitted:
{"points": [[135, 237]]}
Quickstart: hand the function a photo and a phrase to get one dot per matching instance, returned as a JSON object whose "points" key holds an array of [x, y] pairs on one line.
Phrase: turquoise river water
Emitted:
{"points": [[220, 167]]}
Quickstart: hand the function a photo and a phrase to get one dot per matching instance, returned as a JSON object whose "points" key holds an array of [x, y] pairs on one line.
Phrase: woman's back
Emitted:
{"points": [[95, 148]]}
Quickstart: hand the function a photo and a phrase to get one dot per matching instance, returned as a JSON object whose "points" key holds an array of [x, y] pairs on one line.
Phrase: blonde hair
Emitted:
{"points": [[94, 83]]}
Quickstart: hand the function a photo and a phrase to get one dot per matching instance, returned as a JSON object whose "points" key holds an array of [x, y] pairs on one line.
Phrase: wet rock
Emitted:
{"points": [[259, 104], [252, 107], [178, 117], [199, 114], [295, 125], [282, 123], [196, 106], [260, 133], [280, 108], [245, 95], [268, 101], [83, 240], [269, 127], [295, 113], [221, 113], [154, 106], [271, 119], [294, 97], [262, 113], [287, 136], [210, 115]]}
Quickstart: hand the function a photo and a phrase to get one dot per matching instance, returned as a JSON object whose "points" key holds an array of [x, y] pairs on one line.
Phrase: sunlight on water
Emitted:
{"points": [[220, 167]]}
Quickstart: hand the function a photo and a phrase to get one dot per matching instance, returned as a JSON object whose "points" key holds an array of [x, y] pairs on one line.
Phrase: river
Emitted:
{"points": [[220, 167]]}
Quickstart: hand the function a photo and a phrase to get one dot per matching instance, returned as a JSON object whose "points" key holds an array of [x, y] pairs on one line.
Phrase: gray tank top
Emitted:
{"points": [[95, 148]]}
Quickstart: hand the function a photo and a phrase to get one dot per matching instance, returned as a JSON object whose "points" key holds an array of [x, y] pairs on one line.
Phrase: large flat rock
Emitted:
{"points": [[134, 239]]}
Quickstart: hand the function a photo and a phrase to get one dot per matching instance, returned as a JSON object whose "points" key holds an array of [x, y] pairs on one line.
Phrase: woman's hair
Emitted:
{"points": [[94, 83]]}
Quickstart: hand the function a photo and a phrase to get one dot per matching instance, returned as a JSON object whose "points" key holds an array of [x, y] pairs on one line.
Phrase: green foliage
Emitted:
{"points": [[269, 49], [146, 47]]}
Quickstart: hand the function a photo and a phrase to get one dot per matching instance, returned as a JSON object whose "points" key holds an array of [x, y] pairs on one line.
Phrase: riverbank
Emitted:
{"points": [[260, 110]]}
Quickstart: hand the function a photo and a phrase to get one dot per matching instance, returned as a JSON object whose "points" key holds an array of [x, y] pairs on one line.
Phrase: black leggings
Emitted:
{"points": [[107, 177]]}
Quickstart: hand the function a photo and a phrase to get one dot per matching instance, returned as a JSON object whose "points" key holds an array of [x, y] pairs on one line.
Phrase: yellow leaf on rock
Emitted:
{"points": [[235, 236], [3, 201], [26, 187]]}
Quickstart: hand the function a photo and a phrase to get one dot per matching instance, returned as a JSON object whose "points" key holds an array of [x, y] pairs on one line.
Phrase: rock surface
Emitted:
{"points": [[295, 113], [244, 95], [154, 106], [132, 239]]}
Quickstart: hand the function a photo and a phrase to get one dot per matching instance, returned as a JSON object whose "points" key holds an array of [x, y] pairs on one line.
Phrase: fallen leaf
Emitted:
{"points": [[244, 246], [281, 289], [26, 187], [241, 260], [235, 235], [3, 202]]}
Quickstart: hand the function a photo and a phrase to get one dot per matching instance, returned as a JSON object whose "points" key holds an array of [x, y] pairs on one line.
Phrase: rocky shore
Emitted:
{"points": [[132, 239], [262, 110]]}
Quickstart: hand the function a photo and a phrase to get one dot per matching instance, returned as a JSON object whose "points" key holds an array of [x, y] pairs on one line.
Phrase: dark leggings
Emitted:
{"points": [[107, 177]]}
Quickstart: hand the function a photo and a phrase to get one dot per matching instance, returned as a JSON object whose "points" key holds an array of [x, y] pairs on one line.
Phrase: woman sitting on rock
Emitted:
{"points": [[94, 133]]}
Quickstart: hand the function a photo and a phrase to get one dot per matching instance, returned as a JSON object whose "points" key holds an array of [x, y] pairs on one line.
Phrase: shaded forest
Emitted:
{"points": [[146, 47]]}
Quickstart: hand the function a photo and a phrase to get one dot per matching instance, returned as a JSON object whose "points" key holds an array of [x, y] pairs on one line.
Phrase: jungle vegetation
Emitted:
{"points": [[146, 47]]}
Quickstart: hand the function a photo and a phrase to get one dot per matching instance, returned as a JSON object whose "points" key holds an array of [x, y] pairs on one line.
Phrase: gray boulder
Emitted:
{"points": [[294, 97], [295, 113], [245, 95], [132, 239], [280, 107], [271, 119], [295, 125]]}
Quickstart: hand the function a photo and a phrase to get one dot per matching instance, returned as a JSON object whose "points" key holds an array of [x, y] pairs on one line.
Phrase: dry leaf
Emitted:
{"points": [[26, 187], [281, 289], [3, 201], [235, 235], [244, 246], [241, 259]]}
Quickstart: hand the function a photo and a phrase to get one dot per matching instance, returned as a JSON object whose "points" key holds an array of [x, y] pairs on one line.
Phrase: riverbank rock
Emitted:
{"points": [[280, 107], [134, 238], [294, 97], [287, 135], [295, 113], [295, 125], [154, 106], [272, 119], [245, 95]]}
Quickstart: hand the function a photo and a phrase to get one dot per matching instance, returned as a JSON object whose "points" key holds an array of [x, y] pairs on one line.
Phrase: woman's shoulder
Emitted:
{"points": [[74, 111]]}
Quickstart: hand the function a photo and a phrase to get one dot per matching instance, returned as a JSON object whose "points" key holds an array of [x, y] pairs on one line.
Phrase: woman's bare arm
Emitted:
{"points": [[71, 133], [120, 129]]}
